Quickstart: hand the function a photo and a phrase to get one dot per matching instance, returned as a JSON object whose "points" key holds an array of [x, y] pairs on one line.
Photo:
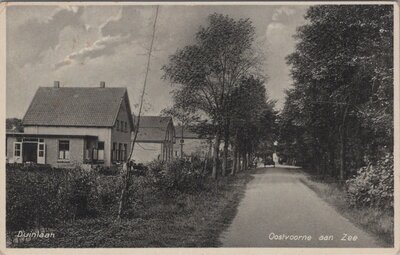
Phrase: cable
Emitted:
{"points": [[144, 85]]}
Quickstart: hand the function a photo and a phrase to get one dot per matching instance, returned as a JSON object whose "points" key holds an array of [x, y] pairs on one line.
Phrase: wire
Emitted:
{"points": [[144, 84], [146, 149]]}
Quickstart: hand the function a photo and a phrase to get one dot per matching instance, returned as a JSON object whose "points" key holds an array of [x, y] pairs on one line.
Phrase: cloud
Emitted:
{"points": [[118, 30], [128, 23], [102, 47], [283, 14], [34, 37]]}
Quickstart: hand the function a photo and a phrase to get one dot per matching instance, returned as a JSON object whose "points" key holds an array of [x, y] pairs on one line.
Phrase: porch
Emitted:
{"points": [[56, 150]]}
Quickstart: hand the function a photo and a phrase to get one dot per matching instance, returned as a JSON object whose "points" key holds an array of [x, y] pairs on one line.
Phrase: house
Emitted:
{"points": [[155, 139], [191, 143], [68, 126]]}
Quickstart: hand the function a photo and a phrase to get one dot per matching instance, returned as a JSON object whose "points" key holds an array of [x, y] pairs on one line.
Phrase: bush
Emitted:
{"points": [[373, 185], [178, 175], [108, 171], [108, 190], [40, 196]]}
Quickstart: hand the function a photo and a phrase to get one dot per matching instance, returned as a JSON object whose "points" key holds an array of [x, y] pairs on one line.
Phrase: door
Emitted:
{"points": [[41, 153], [17, 152]]}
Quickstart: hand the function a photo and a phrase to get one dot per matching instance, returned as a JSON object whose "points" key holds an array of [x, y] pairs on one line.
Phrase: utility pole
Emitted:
{"points": [[127, 175], [181, 142]]}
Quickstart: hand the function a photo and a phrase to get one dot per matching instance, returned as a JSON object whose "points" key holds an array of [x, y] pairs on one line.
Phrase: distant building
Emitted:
{"points": [[155, 139], [65, 127], [192, 144]]}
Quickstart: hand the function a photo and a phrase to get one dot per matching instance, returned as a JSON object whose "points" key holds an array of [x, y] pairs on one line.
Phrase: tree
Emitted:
{"points": [[205, 73], [252, 119], [343, 80], [14, 124], [184, 117]]}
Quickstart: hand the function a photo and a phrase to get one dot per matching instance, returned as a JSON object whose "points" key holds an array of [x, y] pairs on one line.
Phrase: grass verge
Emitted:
{"points": [[187, 220], [372, 220]]}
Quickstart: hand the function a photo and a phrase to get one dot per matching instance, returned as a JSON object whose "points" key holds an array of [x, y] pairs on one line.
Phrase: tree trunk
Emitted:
{"points": [[224, 159], [181, 142], [245, 161], [343, 141], [226, 147], [235, 159], [239, 163], [331, 160], [216, 156]]}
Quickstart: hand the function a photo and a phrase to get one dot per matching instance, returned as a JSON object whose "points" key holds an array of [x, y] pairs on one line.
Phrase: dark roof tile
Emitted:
{"points": [[89, 106]]}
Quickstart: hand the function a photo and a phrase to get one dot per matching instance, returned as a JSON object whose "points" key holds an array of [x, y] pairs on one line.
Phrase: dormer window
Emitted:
{"points": [[126, 127], [117, 125]]}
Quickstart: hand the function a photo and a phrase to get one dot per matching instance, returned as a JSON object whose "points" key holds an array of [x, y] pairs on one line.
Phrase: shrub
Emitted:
{"points": [[373, 185], [109, 189], [40, 196], [82, 194], [33, 197], [178, 175], [108, 171]]}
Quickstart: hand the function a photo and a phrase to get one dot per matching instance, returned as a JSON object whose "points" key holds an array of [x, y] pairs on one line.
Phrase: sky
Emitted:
{"points": [[83, 45]]}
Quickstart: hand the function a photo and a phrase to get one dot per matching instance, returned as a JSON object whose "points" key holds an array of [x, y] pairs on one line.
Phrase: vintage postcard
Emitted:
{"points": [[218, 127]]}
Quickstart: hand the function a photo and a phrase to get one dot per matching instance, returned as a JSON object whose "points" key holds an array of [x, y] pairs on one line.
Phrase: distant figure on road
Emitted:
{"points": [[275, 158], [269, 161]]}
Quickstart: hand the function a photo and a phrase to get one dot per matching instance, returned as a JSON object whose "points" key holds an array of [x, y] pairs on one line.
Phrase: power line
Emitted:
{"points": [[144, 84], [127, 175]]}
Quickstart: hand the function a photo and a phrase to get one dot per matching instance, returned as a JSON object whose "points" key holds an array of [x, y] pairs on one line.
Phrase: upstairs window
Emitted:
{"points": [[126, 127], [117, 125], [63, 149]]}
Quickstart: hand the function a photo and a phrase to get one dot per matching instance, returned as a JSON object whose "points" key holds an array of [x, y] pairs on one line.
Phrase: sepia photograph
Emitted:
{"points": [[200, 125]]}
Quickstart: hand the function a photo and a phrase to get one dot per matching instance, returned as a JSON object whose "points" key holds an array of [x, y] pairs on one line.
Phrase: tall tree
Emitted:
{"points": [[184, 118], [205, 73], [253, 118], [343, 79]]}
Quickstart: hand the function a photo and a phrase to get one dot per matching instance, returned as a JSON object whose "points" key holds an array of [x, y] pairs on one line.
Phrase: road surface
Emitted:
{"points": [[278, 210]]}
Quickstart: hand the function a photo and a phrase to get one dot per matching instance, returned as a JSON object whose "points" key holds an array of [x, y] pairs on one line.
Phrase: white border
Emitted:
{"points": [[122, 251]]}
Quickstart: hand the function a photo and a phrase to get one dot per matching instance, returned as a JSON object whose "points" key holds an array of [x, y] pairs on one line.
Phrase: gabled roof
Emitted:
{"points": [[83, 107], [155, 121], [188, 133], [153, 128]]}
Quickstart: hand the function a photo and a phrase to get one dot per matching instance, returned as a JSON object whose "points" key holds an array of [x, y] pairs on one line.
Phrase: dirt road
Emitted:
{"points": [[278, 210]]}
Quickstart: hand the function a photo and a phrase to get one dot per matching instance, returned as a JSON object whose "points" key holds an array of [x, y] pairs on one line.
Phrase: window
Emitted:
{"points": [[17, 150], [114, 152], [125, 152], [41, 150], [100, 150], [126, 127], [119, 152], [117, 125], [63, 149]]}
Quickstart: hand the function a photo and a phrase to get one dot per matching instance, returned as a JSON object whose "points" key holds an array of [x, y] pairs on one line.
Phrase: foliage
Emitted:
{"points": [[253, 117], [108, 171], [206, 73], [41, 196], [14, 124], [373, 185], [178, 175], [340, 108]]}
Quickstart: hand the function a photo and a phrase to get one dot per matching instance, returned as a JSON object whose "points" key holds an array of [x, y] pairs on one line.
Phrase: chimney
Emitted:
{"points": [[102, 84], [56, 84]]}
